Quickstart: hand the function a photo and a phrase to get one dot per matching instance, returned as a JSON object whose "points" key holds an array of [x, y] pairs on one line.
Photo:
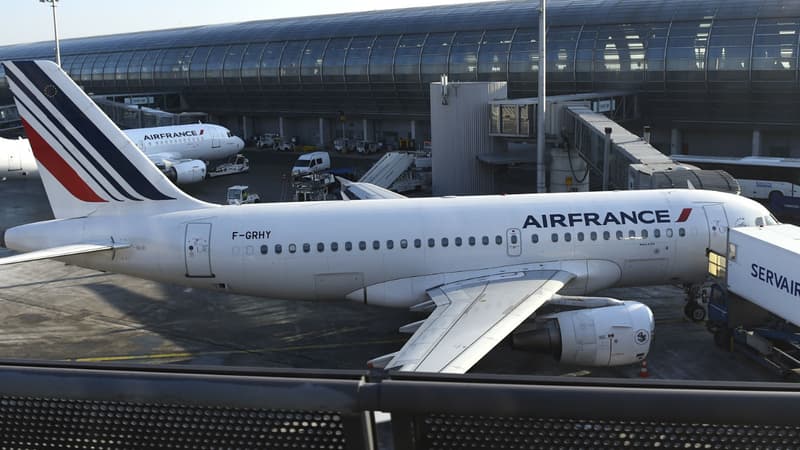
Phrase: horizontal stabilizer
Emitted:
{"points": [[56, 252]]}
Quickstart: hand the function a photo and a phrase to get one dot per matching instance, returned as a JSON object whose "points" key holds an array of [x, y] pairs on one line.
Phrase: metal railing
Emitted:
{"points": [[44, 405]]}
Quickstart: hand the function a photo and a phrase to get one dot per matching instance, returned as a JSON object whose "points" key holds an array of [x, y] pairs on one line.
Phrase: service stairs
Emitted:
{"points": [[400, 171]]}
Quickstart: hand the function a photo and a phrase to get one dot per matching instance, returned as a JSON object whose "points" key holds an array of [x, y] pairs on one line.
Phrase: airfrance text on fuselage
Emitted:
{"points": [[177, 134], [597, 219]]}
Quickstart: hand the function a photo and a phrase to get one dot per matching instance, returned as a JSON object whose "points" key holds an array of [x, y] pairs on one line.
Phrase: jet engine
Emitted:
{"points": [[186, 172], [607, 336]]}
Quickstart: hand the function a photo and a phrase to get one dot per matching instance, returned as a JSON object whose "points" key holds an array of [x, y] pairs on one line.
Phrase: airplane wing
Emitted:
{"points": [[56, 252], [473, 316], [353, 190]]}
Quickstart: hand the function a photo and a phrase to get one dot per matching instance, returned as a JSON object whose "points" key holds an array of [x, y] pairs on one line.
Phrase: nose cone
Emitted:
{"points": [[238, 143]]}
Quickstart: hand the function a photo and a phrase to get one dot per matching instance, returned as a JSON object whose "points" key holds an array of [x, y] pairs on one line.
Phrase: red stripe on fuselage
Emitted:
{"points": [[56, 165], [684, 215]]}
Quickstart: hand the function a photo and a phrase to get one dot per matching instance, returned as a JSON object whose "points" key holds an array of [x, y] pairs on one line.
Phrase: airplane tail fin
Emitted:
{"points": [[87, 164]]}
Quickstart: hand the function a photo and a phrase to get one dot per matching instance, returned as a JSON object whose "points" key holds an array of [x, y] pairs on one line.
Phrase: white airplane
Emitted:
{"points": [[482, 266], [181, 151]]}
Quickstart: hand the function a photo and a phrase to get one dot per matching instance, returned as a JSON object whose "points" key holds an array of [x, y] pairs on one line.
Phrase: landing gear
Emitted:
{"points": [[696, 299], [694, 311]]}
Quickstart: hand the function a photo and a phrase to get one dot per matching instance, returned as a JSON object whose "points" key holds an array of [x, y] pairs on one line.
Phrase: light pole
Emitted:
{"points": [[55, 29], [541, 112]]}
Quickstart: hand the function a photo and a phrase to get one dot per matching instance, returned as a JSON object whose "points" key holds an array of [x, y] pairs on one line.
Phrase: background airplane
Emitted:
{"points": [[481, 266], [180, 151]]}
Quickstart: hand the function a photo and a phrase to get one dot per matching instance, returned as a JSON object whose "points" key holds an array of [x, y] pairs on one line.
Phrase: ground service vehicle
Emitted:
{"points": [[754, 304], [237, 164], [309, 163], [239, 194]]}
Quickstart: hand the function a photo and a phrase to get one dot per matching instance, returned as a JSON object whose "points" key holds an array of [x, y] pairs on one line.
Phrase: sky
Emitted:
{"points": [[25, 21]]}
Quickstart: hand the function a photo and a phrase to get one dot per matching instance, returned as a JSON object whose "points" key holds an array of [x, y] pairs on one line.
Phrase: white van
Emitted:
{"points": [[311, 163]]}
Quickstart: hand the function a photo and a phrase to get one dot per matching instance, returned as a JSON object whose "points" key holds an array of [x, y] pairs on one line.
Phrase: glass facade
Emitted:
{"points": [[718, 47]]}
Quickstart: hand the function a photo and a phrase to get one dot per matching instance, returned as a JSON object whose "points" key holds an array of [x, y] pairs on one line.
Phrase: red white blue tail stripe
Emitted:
{"points": [[85, 157]]}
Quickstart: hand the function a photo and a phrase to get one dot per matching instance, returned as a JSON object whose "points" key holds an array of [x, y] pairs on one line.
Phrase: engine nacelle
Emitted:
{"points": [[187, 172], [608, 336]]}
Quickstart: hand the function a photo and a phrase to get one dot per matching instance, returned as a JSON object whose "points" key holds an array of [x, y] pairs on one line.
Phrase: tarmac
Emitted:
{"points": [[54, 311]]}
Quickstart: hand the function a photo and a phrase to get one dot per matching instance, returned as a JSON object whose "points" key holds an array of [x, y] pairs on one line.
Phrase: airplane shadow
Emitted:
{"points": [[225, 329]]}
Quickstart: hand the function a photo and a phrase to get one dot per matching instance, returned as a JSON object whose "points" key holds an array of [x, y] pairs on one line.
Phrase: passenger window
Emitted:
{"points": [[278, 249], [668, 232], [376, 245], [306, 248], [657, 233], [362, 245], [334, 246], [554, 237], [567, 237], [619, 235], [580, 236], [458, 242], [390, 244], [593, 235], [320, 247], [403, 243], [644, 234], [485, 240], [417, 243], [535, 238], [498, 239], [606, 235], [431, 242], [631, 234], [445, 242], [264, 249], [348, 246], [472, 240], [681, 232], [292, 248], [249, 250], [513, 238]]}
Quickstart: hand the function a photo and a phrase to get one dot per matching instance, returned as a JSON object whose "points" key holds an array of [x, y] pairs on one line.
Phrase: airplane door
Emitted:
{"points": [[717, 228], [198, 250], [14, 160], [215, 142], [513, 242]]}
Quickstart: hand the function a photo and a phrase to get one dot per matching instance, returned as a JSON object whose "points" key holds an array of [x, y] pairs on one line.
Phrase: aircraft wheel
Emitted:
{"points": [[694, 312]]}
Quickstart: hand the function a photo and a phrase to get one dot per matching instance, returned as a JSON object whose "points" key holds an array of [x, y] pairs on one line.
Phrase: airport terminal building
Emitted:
{"points": [[711, 77]]}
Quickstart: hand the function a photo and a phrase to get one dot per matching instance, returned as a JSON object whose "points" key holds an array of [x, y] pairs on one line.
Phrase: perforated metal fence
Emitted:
{"points": [[46, 406]]}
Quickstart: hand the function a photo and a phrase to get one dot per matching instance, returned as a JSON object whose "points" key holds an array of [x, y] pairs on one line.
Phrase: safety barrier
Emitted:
{"points": [[79, 406]]}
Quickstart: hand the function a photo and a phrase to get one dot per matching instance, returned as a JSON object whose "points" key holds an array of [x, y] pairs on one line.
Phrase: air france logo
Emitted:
{"points": [[177, 134], [599, 219]]}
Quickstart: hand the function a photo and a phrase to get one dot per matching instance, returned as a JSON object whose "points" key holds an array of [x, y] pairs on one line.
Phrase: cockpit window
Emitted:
{"points": [[771, 220]]}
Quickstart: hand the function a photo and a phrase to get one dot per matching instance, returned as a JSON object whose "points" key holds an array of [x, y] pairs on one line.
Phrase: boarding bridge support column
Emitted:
{"points": [[606, 156], [675, 142], [756, 151], [280, 126], [364, 129], [245, 128], [413, 129], [321, 132]]}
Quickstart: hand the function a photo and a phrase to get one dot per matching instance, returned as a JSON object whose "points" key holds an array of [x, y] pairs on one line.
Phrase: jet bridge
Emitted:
{"points": [[620, 159], [401, 172]]}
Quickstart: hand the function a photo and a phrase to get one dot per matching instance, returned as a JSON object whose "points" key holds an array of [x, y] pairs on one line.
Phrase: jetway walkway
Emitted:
{"points": [[133, 116], [400, 171], [108, 406], [620, 159]]}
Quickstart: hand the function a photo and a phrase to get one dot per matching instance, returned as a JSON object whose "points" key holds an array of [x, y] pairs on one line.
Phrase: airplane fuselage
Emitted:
{"points": [[390, 252], [203, 142]]}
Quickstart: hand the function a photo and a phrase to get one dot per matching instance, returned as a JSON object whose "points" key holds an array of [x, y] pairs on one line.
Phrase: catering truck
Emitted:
{"points": [[754, 301]]}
